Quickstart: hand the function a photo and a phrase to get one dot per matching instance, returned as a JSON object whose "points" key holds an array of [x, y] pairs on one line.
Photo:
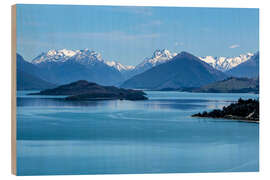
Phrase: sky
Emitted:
{"points": [[129, 34]]}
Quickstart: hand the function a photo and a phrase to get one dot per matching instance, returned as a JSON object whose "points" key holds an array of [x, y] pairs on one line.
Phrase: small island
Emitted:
{"points": [[246, 110], [84, 90]]}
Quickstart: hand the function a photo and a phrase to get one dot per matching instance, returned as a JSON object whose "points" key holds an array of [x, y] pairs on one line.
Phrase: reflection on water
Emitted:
{"points": [[158, 135], [119, 104]]}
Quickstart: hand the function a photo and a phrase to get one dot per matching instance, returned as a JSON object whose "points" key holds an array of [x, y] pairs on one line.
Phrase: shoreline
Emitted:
{"points": [[232, 119], [199, 92]]}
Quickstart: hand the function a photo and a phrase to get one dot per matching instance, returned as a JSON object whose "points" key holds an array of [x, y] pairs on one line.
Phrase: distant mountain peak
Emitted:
{"points": [[186, 54], [226, 63], [61, 52], [63, 55], [119, 66], [162, 53], [158, 57], [249, 68], [89, 53], [182, 71]]}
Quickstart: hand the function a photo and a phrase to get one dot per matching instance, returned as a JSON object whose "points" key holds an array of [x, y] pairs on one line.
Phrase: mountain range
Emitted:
{"points": [[183, 70], [65, 66], [248, 68], [158, 57], [226, 63]]}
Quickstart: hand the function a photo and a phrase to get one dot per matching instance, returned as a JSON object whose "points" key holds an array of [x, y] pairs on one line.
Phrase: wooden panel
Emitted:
{"points": [[13, 89]]}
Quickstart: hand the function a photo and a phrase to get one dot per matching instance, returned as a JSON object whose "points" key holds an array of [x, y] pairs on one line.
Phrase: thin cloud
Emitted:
{"points": [[234, 46], [178, 44], [105, 36], [32, 42], [150, 24]]}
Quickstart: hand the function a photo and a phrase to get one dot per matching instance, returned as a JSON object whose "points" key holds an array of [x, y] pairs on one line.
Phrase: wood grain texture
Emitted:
{"points": [[13, 90]]}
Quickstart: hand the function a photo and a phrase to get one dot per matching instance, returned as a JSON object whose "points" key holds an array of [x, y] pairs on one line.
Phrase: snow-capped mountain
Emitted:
{"points": [[85, 56], [91, 58], [163, 56], [182, 71], [226, 63], [119, 66], [249, 68], [63, 66], [158, 57]]}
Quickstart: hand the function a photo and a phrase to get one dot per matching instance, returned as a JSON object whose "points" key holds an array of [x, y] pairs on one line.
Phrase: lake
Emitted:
{"points": [[152, 136]]}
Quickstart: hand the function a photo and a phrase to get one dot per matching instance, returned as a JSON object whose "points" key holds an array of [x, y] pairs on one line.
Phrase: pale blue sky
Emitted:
{"points": [[129, 34]]}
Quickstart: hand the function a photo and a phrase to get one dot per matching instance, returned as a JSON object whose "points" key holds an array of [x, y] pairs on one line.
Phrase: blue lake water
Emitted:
{"points": [[153, 136]]}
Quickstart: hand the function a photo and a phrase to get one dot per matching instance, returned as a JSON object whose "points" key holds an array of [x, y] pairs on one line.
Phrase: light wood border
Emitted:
{"points": [[13, 91]]}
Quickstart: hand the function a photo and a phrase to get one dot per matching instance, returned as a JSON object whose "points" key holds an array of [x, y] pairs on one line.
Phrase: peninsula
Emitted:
{"points": [[247, 110]]}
